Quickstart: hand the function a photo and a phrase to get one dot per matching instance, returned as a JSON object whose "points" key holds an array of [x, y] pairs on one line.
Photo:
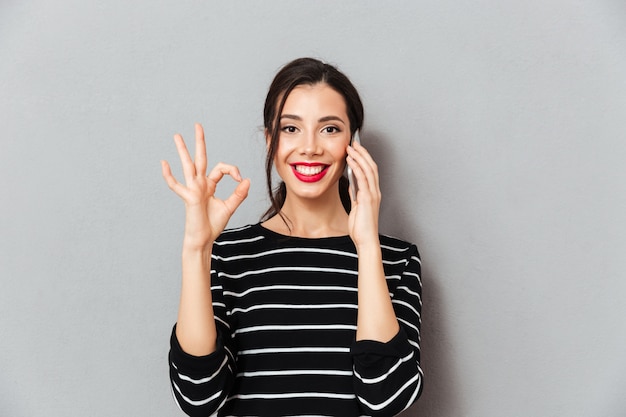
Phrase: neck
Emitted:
{"points": [[322, 217]]}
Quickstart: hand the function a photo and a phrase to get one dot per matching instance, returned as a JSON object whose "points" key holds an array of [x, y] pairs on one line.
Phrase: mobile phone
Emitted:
{"points": [[351, 178]]}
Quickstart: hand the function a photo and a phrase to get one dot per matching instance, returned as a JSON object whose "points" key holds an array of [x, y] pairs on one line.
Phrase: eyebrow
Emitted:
{"points": [[321, 120]]}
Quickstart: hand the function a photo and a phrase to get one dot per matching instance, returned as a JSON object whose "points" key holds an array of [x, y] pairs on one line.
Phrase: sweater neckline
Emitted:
{"points": [[276, 235]]}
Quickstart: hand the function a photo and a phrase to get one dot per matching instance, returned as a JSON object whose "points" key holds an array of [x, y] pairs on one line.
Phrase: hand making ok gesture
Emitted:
{"points": [[206, 215]]}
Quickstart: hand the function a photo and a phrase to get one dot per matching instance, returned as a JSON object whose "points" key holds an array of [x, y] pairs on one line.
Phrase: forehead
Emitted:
{"points": [[315, 98]]}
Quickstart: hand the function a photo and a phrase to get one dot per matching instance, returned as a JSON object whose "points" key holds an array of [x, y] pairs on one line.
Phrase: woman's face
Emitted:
{"points": [[314, 134]]}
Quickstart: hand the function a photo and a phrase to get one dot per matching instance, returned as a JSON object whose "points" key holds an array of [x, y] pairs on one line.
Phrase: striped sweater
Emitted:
{"points": [[286, 311]]}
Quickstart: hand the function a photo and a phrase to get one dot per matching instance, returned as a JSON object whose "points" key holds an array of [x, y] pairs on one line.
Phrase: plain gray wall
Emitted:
{"points": [[499, 128]]}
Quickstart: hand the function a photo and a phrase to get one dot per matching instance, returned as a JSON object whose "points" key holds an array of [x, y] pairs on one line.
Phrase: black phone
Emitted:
{"points": [[351, 178]]}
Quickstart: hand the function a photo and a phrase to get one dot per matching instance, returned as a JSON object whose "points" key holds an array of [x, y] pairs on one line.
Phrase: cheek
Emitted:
{"points": [[340, 150], [281, 155]]}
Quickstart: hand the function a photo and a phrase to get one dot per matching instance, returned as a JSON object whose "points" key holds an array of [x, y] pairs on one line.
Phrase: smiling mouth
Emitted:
{"points": [[309, 172]]}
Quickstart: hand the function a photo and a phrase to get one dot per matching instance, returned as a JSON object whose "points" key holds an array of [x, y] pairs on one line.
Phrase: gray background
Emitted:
{"points": [[499, 127]]}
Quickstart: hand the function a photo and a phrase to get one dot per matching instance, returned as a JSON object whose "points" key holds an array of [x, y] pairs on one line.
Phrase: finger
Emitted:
{"points": [[357, 172], [166, 171], [237, 197], [368, 190], [366, 167], [189, 169], [200, 156], [169, 178], [221, 169], [371, 168], [366, 157]]}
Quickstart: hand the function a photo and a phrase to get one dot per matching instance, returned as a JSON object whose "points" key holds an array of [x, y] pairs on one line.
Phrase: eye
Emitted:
{"points": [[331, 129], [289, 129]]}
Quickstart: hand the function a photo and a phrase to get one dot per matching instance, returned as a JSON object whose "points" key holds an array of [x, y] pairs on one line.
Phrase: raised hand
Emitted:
{"points": [[363, 219], [206, 215]]}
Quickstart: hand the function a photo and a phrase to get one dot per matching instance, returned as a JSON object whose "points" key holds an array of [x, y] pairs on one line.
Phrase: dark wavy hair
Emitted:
{"points": [[303, 71]]}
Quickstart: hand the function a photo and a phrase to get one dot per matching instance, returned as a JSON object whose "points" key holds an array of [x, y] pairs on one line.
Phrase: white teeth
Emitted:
{"points": [[309, 170]]}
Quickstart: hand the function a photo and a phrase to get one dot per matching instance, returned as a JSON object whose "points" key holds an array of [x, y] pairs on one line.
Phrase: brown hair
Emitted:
{"points": [[304, 71]]}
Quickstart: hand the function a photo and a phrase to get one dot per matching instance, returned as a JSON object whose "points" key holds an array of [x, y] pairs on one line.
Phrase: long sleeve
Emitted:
{"points": [[387, 376], [201, 384]]}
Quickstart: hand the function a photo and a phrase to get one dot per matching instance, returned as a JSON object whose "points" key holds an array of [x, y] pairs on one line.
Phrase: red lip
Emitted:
{"points": [[309, 178]]}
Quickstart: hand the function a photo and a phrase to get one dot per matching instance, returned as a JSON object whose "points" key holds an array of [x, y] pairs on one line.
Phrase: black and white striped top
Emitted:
{"points": [[286, 311]]}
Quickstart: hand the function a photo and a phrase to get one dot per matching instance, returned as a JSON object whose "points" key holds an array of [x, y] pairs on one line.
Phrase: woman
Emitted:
{"points": [[311, 311]]}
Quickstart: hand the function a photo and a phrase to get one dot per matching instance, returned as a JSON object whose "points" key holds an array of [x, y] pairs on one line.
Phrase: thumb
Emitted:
{"points": [[237, 197]]}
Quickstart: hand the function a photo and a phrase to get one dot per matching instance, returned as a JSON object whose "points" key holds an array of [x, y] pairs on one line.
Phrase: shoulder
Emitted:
{"points": [[239, 234], [394, 248], [236, 240]]}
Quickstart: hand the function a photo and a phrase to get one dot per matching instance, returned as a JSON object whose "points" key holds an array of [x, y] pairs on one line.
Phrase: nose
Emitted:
{"points": [[310, 144]]}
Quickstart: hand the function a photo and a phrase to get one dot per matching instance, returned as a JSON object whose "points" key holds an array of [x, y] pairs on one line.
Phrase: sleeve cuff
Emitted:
{"points": [[198, 364], [370, 351]]}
